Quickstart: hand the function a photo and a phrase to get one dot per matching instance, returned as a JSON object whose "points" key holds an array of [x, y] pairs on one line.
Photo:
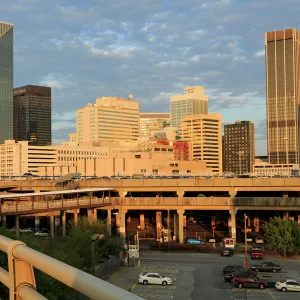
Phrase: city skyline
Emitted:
{"points": [[214, 51]]}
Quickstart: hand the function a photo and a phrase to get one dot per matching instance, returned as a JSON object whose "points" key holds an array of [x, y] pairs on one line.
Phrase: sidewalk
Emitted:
{"points": [[126, 278]]}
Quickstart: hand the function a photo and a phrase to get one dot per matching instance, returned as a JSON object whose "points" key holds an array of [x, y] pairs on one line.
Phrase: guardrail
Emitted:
{"points": [[53, 204], [267, 201], [21, 281]]}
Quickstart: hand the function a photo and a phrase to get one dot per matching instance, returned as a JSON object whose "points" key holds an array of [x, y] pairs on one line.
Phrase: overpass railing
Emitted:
{"points": [[21, 281], [267, 201]]}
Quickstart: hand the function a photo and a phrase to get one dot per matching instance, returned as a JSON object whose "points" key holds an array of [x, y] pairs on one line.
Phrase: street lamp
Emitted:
{"points": [[246, 244]]}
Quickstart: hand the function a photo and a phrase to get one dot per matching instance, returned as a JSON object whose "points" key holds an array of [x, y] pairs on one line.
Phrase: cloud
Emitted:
{"points": [[89, 49]]}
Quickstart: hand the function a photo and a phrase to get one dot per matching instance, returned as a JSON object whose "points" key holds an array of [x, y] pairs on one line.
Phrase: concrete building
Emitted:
{"points": [[110, 118], [239, 148], [192, 102], [152, 123], [32, 115], [6, 81], [283, 95], [266, 169], [204, 132]]}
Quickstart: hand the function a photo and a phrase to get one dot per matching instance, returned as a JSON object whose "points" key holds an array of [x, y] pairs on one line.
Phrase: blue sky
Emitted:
{"points": [[148, 48]]}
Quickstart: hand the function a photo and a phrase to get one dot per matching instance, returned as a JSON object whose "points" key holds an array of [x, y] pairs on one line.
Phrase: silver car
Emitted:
{"points": [[288, 285]]}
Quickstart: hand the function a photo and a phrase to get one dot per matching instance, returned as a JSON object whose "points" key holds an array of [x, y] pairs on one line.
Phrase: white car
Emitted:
{"points": [[288, 285], [42, 233], [154, 278], [25, 230], [259, 240]]}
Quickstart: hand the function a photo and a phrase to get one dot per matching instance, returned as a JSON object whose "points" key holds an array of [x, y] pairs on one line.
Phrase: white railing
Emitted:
{"points": [[21, 281]]}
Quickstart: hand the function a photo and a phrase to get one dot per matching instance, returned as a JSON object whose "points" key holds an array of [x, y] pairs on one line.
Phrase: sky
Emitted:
{"points": [[150, 49]]}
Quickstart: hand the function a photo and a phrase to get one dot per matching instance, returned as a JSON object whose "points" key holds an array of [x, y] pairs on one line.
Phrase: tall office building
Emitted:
{"points": [[282, 49], [32, 115], [239, 148], [204, 132], [192, 102], [110, 118], [6, 81], [151, 123]]}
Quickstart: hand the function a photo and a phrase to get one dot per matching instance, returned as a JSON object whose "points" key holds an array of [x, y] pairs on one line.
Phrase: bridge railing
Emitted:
{"points": [[21, 281]]}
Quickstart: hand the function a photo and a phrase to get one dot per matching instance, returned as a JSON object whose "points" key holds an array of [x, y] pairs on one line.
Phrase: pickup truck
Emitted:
{"points": [[257, 254]]}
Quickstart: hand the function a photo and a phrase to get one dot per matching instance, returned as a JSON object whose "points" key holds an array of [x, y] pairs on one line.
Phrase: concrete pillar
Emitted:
{"points": [[37, 223], [108, 220], [57, 221], [256, 223], [52, 226], [158, 224], [142, 221], [232, 193], [180, 225], [232, 213], [75, 217], [17, 226], [4, 221], [180, 193], [63, 220], [122, 228], [92, 215], [285, 215]]}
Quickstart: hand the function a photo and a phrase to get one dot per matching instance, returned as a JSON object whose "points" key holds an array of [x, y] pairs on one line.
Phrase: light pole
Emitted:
{"points": [[246, 244]]}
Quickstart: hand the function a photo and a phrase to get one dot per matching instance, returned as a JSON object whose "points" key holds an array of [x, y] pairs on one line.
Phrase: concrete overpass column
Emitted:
{"points": [[108, 220], [232, 193], [142, 221], [180, 225], [92, 215], [37, 223], [158, 224], [285, 215], [63, 220], [180, 193], [256, 222], [75, 217], [57, 221], [232, 213], [52, 226], [17, 226], [122, 228]]}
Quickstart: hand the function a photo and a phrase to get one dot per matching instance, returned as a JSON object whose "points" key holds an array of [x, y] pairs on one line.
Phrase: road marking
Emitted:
{"points": [[152, 270], [271, 294], [147, 296], [168, 287], [133, 287]]}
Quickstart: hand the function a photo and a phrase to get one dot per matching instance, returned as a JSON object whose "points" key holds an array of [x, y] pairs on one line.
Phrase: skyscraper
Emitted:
{"points": [[6, 81], [151, 123], [283, 95], [239, 149], [32, 115], [192, 102]]}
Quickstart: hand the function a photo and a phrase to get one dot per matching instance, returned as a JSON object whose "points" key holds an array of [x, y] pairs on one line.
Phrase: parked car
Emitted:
{"points": [[259, 240], [257, 254], [154, 278], [194, 241], [288, 285], [228, 277], [266, 267], [42, 233], [26, 230], [237, 269], [226, 252], [250, 281]]}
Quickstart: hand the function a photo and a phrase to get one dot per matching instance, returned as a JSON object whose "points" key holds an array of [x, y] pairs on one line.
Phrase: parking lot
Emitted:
{"points": [[181, 277], [199, 276]]}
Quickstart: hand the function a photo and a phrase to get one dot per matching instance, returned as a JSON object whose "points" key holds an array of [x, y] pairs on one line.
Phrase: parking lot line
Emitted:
{"points": [[133, 287], [161, 287], [158, 270], [271, 294], [147, 296]]}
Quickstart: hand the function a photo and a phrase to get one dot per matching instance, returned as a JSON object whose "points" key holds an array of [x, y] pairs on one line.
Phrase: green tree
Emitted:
{"points": [[282, 235]]}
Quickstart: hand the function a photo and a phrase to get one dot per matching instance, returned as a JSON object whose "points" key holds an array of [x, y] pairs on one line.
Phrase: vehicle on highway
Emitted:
{"points": [[26, 230], [250, 281], [256, 254], [226, 252], [194, 241], [154, 278], [259, 240], [266, 267], [288, 285], [42, 233], [229, 242], [228, 277], [237, 269]]}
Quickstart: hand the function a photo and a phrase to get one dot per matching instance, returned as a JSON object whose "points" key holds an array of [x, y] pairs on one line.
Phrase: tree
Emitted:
{"points": [[282, 235]]}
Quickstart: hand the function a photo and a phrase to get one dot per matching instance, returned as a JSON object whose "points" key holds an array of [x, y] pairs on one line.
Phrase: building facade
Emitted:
{"points": [[32, 115], [6, 81], [239, 147], [110, 118], [152, 123], [204, 132], [192, 102], [282, 49]]}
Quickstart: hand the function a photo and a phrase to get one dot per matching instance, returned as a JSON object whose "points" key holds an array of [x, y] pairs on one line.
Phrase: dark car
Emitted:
{"points": [[257, 254], [228, 277], [237, 269], [250, 281], [226, 252], [266, 267]]}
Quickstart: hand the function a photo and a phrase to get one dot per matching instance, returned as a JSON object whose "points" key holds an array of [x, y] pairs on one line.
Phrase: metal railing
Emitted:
{"points": [[21, 281]]}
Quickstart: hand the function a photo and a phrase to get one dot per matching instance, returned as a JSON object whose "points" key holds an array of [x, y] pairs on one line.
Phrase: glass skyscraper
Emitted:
{"points": [[6, 81]]}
